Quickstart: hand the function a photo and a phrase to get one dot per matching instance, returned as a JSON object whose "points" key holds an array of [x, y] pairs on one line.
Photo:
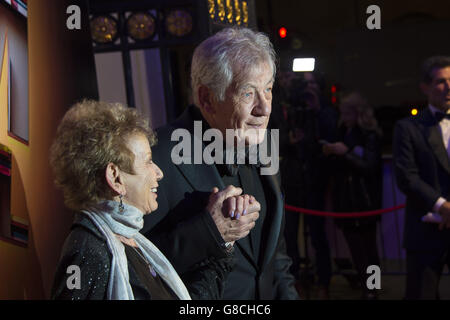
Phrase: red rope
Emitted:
{"points": [[342, 214]]}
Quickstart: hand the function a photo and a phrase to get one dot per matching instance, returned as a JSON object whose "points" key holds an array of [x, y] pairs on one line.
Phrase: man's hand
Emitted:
{"points": [[338, 148], [444, 211], [220, 208]]}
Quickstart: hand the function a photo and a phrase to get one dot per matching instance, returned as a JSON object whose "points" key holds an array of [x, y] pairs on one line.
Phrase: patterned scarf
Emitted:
{"points": [[110, 221]]}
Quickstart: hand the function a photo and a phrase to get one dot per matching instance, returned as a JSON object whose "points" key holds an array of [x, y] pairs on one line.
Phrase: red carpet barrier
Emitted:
{"points": [[342, 214]]}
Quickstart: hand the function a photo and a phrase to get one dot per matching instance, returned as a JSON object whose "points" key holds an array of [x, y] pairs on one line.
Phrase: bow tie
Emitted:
{"points": [[440, 116]]}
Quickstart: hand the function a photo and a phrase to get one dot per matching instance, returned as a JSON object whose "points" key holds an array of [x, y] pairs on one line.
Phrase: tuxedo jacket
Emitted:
{"points": [[422, 170], [185, 232]]}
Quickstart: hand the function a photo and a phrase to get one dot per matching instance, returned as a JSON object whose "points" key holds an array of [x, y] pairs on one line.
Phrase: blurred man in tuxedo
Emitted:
{"points": [[422, 169]]}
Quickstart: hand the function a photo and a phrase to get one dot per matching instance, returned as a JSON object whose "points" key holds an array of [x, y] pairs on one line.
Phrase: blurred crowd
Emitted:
{"points": [[331, 161]]}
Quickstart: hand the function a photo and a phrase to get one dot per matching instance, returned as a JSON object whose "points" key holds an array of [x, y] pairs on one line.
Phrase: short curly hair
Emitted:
{"points": [[91, 135]]}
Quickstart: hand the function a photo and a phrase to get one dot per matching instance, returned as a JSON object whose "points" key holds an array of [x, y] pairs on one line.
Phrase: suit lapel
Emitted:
{"points": [[248, 245], [274, 216], [434, 138], [202, 177], [246, 250]]}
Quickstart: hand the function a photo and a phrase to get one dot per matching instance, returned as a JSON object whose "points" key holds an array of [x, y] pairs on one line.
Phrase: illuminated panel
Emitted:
{"points": [[221, 7], [212, 9], [245, 12], [229, 11], [237, 10], [303, 64]]}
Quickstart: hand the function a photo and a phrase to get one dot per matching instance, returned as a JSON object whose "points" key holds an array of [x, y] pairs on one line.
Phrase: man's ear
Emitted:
{"points": [[114, 178], [205, 98]]}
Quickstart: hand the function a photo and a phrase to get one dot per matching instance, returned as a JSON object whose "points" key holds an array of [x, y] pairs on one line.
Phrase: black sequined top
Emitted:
{"points": [[141, 272], [87, 248]]}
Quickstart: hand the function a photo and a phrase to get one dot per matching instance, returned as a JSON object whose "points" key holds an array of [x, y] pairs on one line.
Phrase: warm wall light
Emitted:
{"points": [[229, 11], [237, 9], [245, 13], [211, 9], [103, 29], [303, 64], [414, 112], [179, 23], [141, 26], [221, 7]]}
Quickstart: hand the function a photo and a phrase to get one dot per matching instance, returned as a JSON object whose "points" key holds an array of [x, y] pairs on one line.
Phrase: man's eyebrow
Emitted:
{"points": [[252, 85]]}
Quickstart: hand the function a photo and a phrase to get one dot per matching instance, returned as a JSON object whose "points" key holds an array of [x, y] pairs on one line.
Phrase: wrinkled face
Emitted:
{"points": [[247, 106], [348, 116], [141, 187], [438, 91]]}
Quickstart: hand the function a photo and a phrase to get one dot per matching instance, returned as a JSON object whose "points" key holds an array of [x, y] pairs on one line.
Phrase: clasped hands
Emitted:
{"points": [[233, 213]]}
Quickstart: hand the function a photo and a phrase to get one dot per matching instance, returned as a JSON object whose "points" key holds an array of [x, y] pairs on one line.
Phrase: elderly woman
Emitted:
{"points": [[102, 161], [357, 180]]}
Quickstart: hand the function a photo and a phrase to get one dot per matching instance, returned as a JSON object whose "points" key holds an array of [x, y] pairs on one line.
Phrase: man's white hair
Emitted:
{"points": [[227, 56]]}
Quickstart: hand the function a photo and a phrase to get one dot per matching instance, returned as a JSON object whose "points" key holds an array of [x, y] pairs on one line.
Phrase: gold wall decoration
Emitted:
{"points": [[212, 9], [245, 13], [237, 10], [104, 29], [229, 11], [221, 7], [179, 23], [141, 26]]}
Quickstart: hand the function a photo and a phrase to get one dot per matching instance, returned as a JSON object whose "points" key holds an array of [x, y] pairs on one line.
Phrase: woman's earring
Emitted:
{"points": [[121, 207]]}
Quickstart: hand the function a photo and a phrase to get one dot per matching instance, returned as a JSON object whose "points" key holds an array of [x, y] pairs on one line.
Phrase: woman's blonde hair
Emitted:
{"points": [[365, 118], [91, 135]]}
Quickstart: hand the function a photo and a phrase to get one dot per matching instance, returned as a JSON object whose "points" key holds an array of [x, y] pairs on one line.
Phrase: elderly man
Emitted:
{"points": [[422, 168], [232, 76]]}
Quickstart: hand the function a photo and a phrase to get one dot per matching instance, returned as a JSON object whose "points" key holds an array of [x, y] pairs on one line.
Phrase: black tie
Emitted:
{"points": [[440, 116]]}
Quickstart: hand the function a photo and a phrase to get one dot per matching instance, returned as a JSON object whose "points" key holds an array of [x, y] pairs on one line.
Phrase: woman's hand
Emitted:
{"points": [[238, 206], [245, 210]]}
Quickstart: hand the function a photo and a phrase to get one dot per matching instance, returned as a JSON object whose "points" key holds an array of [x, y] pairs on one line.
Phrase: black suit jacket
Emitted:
{"points": [[185, 232], [422, 170]]}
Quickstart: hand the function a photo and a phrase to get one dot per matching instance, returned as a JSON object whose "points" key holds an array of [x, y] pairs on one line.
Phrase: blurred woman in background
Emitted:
{"points": [[357, 180]]}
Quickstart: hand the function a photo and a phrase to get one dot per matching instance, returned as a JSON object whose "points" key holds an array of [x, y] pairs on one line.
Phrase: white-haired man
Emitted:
{"points": [[232, 75]]}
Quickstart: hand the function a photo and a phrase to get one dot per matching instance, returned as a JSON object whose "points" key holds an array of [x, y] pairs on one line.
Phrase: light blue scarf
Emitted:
{"points": [[110, 221]]}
